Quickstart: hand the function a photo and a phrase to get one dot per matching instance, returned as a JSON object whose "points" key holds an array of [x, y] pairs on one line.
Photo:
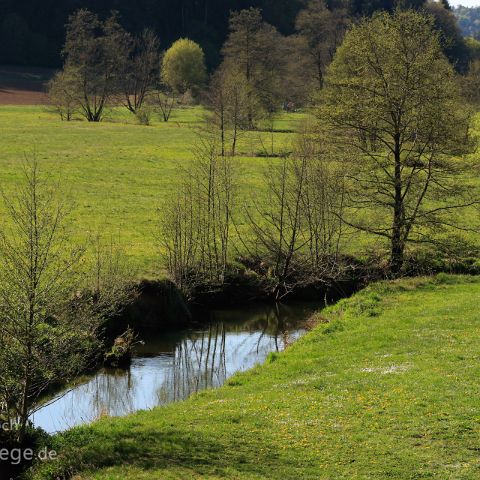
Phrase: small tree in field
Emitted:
{"points": [[183, 66], [228, 97], [62, 95], [49, 322], [164, 102], [392, 106], [141, 70]]}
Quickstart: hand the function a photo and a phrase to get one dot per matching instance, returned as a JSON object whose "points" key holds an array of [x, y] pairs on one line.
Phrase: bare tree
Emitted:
{"points": [[141, 70], [48, 319], [179, 238], [296, 227], [165, 101], [196, 227], [228, 97]]}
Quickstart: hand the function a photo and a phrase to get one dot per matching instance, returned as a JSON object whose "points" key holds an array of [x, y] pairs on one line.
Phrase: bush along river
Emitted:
{"points": [[169, 366]]}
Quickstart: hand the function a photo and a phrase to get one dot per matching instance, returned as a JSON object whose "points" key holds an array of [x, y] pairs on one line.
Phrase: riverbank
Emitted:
{"points": [[386, 386]]}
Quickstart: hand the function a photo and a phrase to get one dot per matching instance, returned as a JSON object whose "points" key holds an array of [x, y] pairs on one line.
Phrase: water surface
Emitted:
{"points": [[170, 367]]}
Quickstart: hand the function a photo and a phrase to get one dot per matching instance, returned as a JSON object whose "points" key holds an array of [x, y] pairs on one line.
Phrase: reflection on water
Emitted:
{"points": [[170, 367]]}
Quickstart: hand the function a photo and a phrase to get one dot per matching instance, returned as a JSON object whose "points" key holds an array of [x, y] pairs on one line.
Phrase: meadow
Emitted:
{"points": [[118, 173], [385, 386]]}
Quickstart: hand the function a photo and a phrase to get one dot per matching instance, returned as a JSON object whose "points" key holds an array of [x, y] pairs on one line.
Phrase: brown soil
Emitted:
{"points": [[23, 85]]}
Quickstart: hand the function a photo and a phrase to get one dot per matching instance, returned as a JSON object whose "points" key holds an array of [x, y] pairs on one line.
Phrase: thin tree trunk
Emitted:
{"points": [[397, 243]]}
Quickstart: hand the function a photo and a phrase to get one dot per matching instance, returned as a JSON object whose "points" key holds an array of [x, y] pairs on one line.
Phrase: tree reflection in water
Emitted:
{"points": [[171, 367], [199, 362]]}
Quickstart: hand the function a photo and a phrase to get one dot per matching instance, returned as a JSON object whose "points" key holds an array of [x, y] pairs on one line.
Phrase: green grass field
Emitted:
{"points": [[117, 172], [387, 389]]}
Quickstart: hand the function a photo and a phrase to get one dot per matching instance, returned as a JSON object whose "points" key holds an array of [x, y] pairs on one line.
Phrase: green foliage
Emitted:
{"points": [[392, 108], [183, 66]]}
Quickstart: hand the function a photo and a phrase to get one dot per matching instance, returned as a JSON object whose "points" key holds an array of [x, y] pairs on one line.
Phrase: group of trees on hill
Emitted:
{"points": [[105, 65], [32, 31]]}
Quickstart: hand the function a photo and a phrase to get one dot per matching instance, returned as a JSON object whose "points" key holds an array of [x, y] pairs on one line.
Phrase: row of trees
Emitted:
{"points": [[105, 65], [385, 157]]}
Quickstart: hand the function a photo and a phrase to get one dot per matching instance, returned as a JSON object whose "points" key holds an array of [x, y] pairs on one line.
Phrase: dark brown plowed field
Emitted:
{"points": [[23, 85]]}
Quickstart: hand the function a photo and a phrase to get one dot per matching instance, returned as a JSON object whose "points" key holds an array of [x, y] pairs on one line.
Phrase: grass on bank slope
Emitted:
{"points": [[389, 388]]}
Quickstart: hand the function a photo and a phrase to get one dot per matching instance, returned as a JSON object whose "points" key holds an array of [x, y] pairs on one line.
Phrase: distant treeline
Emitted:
{"points": [[469, 20], [32, 32]]}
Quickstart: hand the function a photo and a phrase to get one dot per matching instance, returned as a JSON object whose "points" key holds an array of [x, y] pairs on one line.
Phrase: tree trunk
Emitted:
{"points": [[397, 241]]}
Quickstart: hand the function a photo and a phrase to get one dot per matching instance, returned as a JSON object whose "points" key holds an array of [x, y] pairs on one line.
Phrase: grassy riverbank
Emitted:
{"points": [[388, 388]]}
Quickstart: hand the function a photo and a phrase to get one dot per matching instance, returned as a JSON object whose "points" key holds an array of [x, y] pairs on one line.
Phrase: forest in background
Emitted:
{"points": [[468, 20], [32, 32]]}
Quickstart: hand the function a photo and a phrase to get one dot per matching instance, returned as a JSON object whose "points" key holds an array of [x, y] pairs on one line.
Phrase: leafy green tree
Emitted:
{"points": [[392, 106], [183, 66]]}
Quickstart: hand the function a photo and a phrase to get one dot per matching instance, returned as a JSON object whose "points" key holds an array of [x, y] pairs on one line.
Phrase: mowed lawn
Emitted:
{"points": [[387, 389], [118, 173]]}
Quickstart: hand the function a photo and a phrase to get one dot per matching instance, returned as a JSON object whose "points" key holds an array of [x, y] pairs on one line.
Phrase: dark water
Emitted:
{"points": [[170, 367]]}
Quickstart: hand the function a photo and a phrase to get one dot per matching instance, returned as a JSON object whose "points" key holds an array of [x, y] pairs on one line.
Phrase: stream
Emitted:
{"points": [[169, 367]]}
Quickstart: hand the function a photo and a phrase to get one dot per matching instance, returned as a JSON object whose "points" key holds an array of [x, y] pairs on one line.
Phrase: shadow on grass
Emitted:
{"points": [[143, 448]]}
